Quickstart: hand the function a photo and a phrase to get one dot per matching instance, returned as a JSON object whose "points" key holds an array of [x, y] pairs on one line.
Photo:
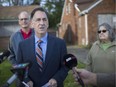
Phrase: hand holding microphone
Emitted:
{"points": [[70, 62]]}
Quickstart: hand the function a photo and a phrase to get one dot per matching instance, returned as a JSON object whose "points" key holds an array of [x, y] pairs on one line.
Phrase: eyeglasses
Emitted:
{"points": [[104, 31], [23, 19]]}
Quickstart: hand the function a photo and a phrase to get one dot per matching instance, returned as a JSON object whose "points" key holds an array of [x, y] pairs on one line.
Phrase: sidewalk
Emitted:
{"points": [[80, 53]]}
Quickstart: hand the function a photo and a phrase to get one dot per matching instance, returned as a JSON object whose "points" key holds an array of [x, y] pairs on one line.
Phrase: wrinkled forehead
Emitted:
{"points": [[23, 15]]}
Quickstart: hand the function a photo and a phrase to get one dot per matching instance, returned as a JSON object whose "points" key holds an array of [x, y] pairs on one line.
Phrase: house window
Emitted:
{"points": [[107, 18], [68, 9], [63, 27], [114, 19], [79, 22]]}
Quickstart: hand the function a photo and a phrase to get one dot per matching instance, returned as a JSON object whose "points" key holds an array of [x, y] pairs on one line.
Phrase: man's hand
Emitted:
{"points": [[30, 84], [52, 83]]}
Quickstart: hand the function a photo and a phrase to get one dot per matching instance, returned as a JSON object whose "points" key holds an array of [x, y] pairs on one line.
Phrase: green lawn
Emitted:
{"points": [[5, 73]]}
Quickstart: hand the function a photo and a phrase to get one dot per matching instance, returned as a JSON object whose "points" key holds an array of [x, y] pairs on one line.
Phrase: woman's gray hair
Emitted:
{"points": [[110, 30]]}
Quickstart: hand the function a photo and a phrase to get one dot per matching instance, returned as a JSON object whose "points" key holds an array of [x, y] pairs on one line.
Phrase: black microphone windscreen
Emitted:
{"points": [[6, 53], [20, 69], [20, 66], [70, 61]]}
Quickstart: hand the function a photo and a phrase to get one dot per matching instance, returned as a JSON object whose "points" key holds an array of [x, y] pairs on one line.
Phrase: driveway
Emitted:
{"points": [[80, 53]]}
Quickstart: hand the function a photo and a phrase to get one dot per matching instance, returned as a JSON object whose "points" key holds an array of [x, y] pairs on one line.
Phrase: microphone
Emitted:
{"points": [[10, 80], [20, 66], [4, 55], [19, 71], [70, 61]]}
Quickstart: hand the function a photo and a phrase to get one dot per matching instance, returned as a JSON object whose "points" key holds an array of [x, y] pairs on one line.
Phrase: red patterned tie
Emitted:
{"points": [[39, 55]]}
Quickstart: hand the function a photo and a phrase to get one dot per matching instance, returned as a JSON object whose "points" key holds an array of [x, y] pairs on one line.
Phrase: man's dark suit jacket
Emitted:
{"points": [[53, 67]]}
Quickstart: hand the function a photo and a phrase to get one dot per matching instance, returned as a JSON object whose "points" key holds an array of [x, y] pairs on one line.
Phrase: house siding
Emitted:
{"points": [[8, 28], [4, 43]]}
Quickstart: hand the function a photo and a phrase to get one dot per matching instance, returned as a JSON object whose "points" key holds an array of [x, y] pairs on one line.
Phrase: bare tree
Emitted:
{"points": [[15, 2], [0, 2], [19, 2]]}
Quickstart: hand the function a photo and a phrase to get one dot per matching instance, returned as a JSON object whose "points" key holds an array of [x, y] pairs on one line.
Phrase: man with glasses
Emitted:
{"points": [[22, 34]]}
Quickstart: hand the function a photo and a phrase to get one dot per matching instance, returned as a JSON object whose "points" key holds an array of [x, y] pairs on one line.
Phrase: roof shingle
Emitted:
{"points": [[12, 12]]}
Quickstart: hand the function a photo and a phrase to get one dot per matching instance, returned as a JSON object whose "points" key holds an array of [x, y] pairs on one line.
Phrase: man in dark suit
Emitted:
{"points": [[52, 72]]}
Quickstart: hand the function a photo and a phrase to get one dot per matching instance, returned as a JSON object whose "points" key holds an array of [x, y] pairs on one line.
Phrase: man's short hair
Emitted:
{"points": [[38, 9]]}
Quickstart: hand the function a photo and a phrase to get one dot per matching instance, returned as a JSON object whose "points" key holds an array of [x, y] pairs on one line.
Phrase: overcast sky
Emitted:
{"points": [[30, 1]]}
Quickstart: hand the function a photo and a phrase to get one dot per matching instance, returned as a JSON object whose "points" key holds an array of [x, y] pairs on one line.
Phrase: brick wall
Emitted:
{"points": [[68, 20]]}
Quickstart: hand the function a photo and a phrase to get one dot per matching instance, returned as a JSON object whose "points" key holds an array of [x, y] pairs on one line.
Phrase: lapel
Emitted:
{"points": [[49, 51]]}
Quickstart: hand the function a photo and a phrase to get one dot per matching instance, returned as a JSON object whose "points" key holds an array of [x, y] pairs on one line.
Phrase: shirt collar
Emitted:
{"points": [[26, 35], [44, 39], [112, 43]]}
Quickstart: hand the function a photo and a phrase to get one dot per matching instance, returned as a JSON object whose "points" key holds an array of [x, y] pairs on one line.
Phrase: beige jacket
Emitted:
{"points": [[103, 62]]}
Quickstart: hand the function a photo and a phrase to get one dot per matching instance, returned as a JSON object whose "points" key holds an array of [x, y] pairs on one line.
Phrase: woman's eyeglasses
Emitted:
{"points": [[104, 31]]}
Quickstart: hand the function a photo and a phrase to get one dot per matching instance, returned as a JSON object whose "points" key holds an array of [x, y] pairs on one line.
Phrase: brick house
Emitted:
{"points": [[9, 22], [81, 18]]}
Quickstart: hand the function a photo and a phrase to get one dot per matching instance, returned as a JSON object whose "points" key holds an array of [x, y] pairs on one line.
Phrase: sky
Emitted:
{"points": [[30, 1]]}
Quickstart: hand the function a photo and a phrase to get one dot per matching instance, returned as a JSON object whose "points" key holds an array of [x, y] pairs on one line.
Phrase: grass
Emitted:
{"points": [[69, 81], [5, 74]]}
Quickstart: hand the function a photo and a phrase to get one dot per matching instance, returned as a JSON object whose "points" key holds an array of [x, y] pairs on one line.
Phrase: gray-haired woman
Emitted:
{"points": [[102, 55]]}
